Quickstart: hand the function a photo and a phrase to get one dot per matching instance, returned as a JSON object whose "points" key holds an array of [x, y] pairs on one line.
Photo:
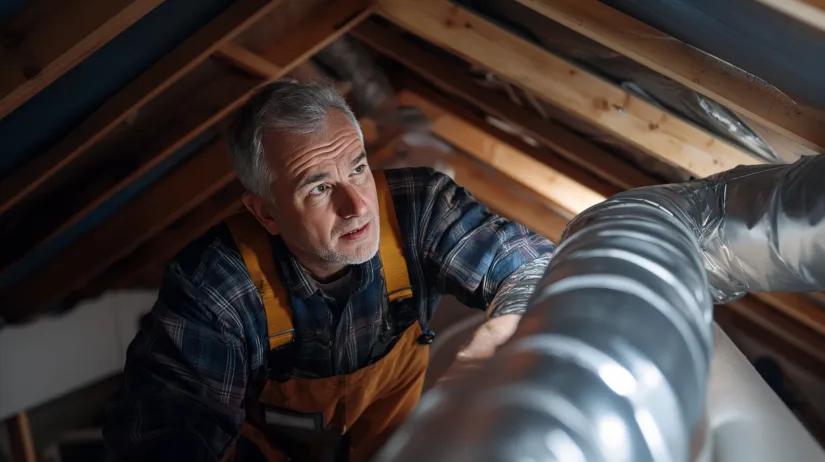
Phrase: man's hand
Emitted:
{"points": [[489, 336], [486, 339]]}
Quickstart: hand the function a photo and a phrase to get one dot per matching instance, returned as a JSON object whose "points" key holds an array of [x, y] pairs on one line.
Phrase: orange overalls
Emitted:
{"points": [[365, 405]]}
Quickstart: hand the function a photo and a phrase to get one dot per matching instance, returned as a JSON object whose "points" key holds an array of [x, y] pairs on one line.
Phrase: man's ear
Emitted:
{"points": [[262, 211]]}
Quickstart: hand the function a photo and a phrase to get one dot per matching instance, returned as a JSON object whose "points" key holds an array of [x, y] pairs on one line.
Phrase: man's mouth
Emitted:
{"points": [[356, 234]]}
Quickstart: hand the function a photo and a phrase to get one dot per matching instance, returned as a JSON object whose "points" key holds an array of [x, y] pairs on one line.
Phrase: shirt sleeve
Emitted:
{"points": [[185, 379], [485, 260]]}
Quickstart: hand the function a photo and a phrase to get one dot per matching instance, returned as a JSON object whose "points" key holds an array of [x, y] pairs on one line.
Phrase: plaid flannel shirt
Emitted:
{"points": [[202, 352]]}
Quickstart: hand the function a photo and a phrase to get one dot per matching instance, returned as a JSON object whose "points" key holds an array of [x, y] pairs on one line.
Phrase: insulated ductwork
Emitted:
{"points": [[611, 361]]}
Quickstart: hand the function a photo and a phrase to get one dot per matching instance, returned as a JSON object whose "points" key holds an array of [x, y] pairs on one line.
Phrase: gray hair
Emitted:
{"points": [[285, 105]]}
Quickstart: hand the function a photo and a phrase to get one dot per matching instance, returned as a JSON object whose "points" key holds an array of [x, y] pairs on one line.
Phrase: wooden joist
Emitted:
{"points": [[159, 132], [801, 307], [205, 97], [59, 275], [569, 196], [161, 204], [158, 250], [811, 12], [452, 79], [50, 37], [249, 61], [329, 22], [568, 87], [687, 65], [783, 335], [21, 441], [500, 193], [33, 178]]}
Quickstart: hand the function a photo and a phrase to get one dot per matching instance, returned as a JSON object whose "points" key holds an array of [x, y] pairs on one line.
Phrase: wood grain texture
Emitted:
{"points": [[49, 37], [578, 92]]}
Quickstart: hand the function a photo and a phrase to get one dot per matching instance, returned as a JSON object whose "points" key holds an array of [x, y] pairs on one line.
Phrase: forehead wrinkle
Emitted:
{"points": [[319, 155], [307, 156]]}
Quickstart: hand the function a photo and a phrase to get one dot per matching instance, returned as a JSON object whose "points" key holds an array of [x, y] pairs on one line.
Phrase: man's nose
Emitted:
{"points": [[350, 202]]}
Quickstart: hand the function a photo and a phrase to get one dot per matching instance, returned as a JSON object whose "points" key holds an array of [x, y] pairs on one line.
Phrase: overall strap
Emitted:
{"points": [[396, 276], [253, 241]]}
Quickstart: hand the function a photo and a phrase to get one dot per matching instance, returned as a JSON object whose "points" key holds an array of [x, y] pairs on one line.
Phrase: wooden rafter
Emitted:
{"points": [[330, 22], [33, 179], [783, 335], [158, 250], [315, 33], [792, 322], [500, 192], [50, 37], [21, 441], [566, 86], [249, 61], [688, 66], [811, 12], [205, 97], [454, 80], [801, 307], [173, 125], [569, 196], [165, 201]]}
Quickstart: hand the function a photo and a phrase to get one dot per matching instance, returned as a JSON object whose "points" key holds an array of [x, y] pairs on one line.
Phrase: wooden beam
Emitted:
{"points": [[33, 178], [500, 193], [164, 202], [811, 12], [801, 307], [249, 61], [21, 442], [504, 134], [569, 196], [50, 37], [204, 98], [782, 335], [779, 324], [330, 21], [575, 90], [689, 66], [453, 79], [158, 250], [158, 136]]}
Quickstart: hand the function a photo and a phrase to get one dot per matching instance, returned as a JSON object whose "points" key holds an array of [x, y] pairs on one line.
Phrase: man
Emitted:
{"points": [[304, 330]]}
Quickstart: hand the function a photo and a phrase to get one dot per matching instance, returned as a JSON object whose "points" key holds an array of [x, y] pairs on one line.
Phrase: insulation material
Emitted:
{"points": [[347, 60]]}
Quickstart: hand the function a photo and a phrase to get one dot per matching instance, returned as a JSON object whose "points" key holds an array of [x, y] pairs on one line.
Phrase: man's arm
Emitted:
{"points": [[505, 310], [485, 260], [185, 379]]}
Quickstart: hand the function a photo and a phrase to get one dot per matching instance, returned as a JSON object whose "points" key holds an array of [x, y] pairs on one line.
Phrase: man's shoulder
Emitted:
{"points": [[210, 259], [415, 180]]}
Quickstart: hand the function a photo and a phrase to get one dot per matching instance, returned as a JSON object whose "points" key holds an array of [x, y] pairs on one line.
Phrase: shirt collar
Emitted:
{"points": [[300, 283]]}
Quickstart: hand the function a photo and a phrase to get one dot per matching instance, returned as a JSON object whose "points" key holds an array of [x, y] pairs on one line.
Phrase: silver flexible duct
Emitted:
{"points": [[611, 361]]}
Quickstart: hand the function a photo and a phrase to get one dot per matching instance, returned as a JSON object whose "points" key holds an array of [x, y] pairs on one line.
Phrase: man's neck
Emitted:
{"points": [[320, 270], [327, 276]]}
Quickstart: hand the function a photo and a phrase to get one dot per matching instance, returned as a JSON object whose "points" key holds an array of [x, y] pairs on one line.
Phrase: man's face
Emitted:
{"points": [[325, 202]]}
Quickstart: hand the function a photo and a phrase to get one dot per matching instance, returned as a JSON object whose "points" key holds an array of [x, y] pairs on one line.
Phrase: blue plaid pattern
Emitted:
{"points": [[201, 354]]}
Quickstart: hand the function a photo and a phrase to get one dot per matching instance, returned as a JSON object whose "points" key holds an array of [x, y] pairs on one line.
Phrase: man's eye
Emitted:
{"points": [[360, 169], [319, 190]]}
